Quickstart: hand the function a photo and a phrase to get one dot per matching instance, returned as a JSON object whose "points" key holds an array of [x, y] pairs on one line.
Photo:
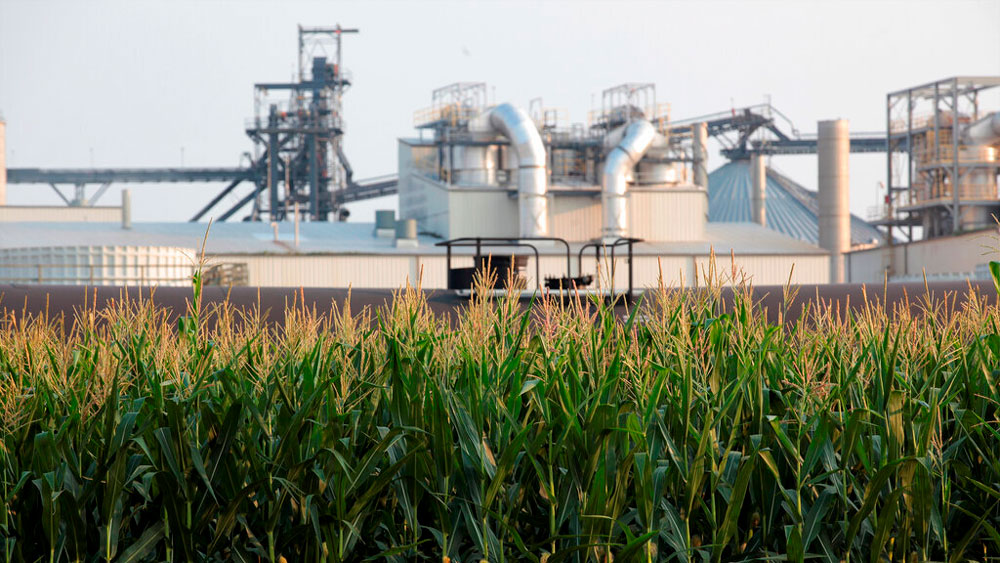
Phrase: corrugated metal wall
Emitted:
{"points": [[668, 215], [393, 271], [940, 257], [59, 214], [575, 217]]}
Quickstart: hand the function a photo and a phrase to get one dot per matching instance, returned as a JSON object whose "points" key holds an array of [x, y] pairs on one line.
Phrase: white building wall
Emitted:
{"points": [[59, 214], [393, 271], [962, 255], [575, 217], [676, 214]]}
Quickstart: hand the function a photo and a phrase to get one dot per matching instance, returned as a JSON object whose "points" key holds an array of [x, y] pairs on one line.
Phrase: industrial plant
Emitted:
{"points": [[617, 200]]}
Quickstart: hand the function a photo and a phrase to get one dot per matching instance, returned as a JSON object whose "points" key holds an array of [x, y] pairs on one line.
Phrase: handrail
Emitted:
{"points": [[478, 242]]}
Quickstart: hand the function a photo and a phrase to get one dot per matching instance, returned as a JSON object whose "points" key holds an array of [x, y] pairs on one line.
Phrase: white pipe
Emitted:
{"points": [[532, 183], [636, 140], [985, 131], [833, 148]]}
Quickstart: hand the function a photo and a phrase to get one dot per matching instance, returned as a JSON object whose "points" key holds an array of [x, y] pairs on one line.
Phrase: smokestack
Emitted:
{"points": [[758, 177], [700, 132], [126, 209], [833, 147], [3, 161]]}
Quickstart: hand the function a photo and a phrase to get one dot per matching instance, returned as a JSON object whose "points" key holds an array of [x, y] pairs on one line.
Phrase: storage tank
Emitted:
{"points": [[98, 265], [833, 149]]}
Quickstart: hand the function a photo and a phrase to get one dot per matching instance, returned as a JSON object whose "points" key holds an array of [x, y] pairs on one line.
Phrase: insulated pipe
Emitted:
{"points": [[758, 178], [985, 131], [637, 138], [833, 146], [532, 183], [700, 133]]}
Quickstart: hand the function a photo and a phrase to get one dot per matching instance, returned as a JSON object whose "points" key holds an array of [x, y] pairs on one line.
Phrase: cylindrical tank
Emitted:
{"points": [[473, 164], [406, 229], [3, 161], [758, 189], [833, 148], [700, 132], [98, 265]]}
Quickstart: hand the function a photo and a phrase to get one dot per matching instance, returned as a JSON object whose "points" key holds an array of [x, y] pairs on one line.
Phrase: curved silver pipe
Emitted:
{"points": [[985, 131], [532, 184], [636, 140]]}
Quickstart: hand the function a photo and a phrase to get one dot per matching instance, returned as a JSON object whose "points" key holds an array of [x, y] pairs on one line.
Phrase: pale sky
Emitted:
{"points": [[131, 84]]}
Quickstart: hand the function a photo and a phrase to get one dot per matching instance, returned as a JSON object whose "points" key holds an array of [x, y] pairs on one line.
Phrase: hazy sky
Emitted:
{"points": [[132, 83]]}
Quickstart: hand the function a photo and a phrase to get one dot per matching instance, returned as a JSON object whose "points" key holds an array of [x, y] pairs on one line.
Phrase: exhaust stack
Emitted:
{"points": [[636, 140]]}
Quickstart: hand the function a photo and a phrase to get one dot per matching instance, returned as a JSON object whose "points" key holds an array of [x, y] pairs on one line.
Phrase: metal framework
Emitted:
{"points": [[298, 158], [934, 180], [762, 129]]}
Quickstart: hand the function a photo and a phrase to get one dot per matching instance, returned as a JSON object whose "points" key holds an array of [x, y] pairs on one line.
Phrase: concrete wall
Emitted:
{"points": [[941, 257]]}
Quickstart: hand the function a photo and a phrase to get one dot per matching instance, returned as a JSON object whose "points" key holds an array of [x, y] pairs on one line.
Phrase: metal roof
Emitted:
{"points": [[353, 238], [791, 209]]}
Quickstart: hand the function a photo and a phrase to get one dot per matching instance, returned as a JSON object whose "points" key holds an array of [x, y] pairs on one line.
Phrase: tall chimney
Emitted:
{"points": [[700, 132], [833, 147], [3, 161], [758, 179]]}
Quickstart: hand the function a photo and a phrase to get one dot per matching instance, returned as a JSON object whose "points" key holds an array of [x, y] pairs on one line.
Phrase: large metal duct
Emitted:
{"points": [[700, 133], [833, 147], [758, 182], [520, 130], [636, 139], [985, 131]]}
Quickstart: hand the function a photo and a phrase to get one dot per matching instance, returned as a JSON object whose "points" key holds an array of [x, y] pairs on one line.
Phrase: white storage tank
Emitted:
{"points": [[98, 265]]}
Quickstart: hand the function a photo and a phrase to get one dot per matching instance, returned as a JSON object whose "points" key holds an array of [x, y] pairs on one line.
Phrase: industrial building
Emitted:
{"points": [[622, 199]]}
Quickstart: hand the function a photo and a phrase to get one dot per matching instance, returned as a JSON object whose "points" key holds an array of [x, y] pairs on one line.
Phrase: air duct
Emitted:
{"points": [[636, 139], [985, 131], [833, 147], [514, 124]]}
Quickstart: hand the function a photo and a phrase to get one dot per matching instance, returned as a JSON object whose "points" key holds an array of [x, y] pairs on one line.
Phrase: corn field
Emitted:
{"points": [[688, 430]]}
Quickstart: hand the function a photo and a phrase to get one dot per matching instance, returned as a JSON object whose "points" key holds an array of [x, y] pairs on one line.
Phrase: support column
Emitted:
{"points": [[758, 194], [833, 148], [700, 132]]}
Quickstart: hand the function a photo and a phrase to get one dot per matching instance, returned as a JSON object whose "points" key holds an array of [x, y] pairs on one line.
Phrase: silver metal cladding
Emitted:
{"points": [[635, 141]]}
